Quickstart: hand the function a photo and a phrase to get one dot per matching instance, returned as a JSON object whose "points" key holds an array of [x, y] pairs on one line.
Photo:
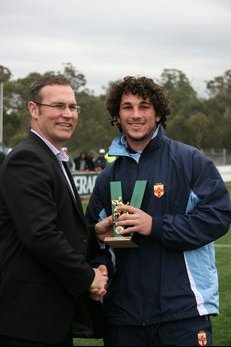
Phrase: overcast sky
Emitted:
{"points": [[106, 40]]}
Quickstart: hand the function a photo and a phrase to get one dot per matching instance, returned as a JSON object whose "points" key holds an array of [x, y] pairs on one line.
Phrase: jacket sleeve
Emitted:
{"points": [[208, 213]]}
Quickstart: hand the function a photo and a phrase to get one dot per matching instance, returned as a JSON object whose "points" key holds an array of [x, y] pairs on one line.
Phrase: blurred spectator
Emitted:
{"points": [[101, 161], [84, 162], [91, 160]]}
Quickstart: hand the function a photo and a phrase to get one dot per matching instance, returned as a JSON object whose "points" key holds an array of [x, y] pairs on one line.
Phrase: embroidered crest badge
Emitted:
{"points": [[158, 190], [202, 338]]}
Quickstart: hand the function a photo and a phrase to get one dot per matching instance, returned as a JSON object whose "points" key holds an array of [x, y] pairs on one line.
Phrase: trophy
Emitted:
{"points": [[118, 240]]}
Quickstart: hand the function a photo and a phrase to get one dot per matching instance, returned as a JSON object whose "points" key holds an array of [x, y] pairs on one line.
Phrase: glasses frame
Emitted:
{"points": [[61, 107]]}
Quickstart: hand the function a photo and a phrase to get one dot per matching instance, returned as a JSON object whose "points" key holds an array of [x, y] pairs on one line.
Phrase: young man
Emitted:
{"points": [[164, 290], [43, 234]]}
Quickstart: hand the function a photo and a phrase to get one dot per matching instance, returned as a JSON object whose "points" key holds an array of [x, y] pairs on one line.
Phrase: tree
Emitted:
{"points": [[76, 78], [220, 85], [218, 106], [202, 122], [94, 129], [16, 123], [199, 125], [5, 74], [181, 94]]}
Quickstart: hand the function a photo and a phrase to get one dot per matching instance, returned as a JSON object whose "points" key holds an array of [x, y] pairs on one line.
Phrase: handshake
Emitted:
{"points": [[99, 284]]}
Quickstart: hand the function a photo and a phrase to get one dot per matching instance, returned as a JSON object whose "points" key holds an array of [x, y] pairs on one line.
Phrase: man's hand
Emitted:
{"points": [[104, 228], [99, 284], [136, 221]]}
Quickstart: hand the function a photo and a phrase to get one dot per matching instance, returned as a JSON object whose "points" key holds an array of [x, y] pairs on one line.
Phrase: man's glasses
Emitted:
{"points": [[60, 107]]}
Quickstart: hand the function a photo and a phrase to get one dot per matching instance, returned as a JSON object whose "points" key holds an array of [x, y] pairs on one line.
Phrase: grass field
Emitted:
{"points": [[222, 323]]}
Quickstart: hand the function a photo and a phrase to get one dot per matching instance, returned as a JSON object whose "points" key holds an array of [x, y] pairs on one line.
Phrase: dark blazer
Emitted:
{"points": [[43, 246]]}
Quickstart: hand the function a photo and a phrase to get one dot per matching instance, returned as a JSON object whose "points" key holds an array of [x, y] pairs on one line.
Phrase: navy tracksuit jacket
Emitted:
{"points": [[172, 274]]}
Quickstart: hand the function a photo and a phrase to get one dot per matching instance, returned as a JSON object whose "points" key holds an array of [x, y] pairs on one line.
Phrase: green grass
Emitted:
{"points": [[88, 342], [222, 323]]}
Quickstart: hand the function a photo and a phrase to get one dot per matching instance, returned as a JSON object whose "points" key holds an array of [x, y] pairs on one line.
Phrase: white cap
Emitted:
{"points": [[102, 151]]}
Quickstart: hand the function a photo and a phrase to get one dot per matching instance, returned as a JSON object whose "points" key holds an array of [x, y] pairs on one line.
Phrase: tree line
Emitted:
{"points": [[204, 122]]}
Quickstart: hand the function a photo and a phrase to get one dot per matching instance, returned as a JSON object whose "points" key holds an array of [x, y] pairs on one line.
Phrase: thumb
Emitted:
{"points": [[103, 269]]}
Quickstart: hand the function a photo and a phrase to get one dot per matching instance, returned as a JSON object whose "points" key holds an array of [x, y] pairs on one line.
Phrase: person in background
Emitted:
{"points": [[84, 162], [163, 291], [43, 234], [100, 161], [90, 160]]}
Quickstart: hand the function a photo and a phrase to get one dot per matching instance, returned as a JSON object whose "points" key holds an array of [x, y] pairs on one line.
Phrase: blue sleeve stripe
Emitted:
{"points": [[199, 261]]}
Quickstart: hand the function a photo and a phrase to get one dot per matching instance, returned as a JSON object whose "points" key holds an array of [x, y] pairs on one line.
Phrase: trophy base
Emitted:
{"points": [[120, 242]]}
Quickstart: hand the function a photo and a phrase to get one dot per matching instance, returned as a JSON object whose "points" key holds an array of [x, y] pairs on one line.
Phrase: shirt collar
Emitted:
{"points": [[60, 155]]}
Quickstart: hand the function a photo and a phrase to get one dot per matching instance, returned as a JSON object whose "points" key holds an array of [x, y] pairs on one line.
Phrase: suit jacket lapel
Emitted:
{"points": [[78, 203]]}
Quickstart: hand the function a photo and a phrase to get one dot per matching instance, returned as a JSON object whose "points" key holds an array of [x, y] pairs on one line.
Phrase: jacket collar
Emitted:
{"points": [[119, 145]]}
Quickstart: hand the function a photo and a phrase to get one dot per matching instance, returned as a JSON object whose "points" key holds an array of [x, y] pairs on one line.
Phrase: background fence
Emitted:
{"points": [[85, 181]]}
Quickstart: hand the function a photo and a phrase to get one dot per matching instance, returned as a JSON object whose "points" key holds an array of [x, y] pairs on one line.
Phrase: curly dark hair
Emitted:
{"points": [[145, 88]]}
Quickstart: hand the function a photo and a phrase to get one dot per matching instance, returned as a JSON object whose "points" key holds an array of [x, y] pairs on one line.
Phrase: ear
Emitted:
{"points": [[158, 118], [33, 109]]}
